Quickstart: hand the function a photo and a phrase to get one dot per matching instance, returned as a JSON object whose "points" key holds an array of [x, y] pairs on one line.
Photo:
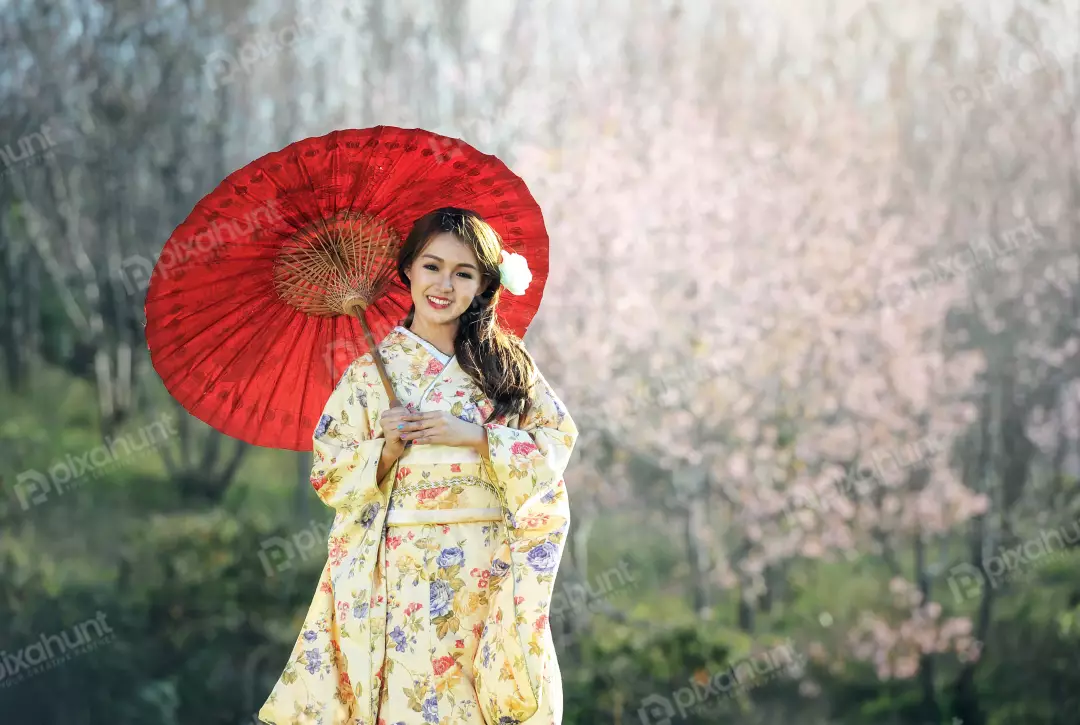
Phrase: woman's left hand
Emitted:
{"points": [[441, 428]]}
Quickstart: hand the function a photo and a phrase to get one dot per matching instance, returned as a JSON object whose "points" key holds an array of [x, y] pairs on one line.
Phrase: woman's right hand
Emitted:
{"points": [[390, 420]]}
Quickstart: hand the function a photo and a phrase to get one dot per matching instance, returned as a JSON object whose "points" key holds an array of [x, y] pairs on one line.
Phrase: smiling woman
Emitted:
{"points": [[434, 603], [450, 262], [443, 279]]}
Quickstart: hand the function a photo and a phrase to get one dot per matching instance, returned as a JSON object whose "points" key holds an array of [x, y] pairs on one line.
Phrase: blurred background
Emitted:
{"points": [[813, 304]]}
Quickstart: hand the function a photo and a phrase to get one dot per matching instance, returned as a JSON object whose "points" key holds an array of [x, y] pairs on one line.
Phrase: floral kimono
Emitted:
{"points": [[433, 605]]}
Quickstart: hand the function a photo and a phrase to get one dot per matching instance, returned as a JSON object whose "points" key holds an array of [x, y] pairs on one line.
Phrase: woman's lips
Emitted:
{"points": [[438, 306]]}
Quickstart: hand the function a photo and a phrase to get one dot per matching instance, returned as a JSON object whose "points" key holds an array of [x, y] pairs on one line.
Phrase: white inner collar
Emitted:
{"points": [[435, 352]]}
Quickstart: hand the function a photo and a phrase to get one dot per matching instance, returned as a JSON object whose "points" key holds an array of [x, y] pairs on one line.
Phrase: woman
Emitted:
{"points": [[451, 512]]}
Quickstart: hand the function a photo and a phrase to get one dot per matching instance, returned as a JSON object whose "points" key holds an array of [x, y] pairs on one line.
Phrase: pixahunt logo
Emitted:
{"points": [[1011, 564], [53, 650], [34, 487], [706, 687]]}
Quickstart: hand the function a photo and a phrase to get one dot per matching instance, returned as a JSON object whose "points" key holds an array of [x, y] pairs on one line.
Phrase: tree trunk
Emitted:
{"points": [[965, 694], [690, 489], [12, 311], [929, 711], [745, 614]]}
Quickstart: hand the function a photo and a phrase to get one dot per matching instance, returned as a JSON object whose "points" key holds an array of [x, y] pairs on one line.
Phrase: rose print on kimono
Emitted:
{"points": [[523, 449], [434, 367], [444, 587], [442, 612], [338, 549], [431, 709], [522, 455], [344, 686], [430, 494], [323, 426], [543, 558], [442, 497], [534, 521], [367, 516], [450, 678], [328, 481], [441, 596], [451, 560], [441, 665], [499, 568]]}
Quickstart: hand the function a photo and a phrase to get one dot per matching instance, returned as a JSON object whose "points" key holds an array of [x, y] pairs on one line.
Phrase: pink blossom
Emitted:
{"points": [[522, 448]]}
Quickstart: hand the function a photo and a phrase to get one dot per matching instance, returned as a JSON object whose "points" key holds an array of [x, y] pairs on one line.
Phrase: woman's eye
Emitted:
{"points": [[432, 267], [466, 275]]}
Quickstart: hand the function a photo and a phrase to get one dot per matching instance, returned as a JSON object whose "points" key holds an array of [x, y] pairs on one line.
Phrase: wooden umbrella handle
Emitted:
{"points": [[377, 358]]}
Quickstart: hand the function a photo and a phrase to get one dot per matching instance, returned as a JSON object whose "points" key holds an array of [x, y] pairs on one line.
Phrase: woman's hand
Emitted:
{"points": [[392, 422], [441, 428]]}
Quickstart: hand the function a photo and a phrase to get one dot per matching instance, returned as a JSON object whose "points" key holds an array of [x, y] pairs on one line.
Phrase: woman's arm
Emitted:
{"points": [[481, 443], [386, 461], [347, 452]]}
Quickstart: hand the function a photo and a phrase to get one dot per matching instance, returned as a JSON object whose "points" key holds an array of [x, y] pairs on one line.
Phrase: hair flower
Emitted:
{"points": [[514, 273]]}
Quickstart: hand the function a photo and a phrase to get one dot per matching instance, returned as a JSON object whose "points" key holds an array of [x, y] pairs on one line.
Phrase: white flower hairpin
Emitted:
{"points": [[514, 273]]}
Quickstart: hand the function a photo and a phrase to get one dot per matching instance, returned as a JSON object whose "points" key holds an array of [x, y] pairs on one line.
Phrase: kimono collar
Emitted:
{"points": [[435, 352]]}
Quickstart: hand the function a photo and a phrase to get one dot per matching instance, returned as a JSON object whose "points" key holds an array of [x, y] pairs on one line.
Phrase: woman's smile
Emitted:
{"points": [[444, 279], [439, 303]]}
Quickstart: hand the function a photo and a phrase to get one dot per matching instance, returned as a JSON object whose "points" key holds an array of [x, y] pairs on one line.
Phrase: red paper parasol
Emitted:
{"points": [[236, 331]]}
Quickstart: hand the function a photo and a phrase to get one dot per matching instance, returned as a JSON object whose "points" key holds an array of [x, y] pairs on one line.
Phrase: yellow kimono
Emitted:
{"points": [[433, 605]]}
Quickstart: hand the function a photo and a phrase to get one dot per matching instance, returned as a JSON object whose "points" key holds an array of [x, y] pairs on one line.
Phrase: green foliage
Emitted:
{"points": [[191, 608], [200, 622]]}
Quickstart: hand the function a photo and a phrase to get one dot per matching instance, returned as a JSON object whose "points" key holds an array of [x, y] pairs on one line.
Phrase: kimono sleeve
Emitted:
{"points": [[514, 656], [328, 678], [345, 445]]}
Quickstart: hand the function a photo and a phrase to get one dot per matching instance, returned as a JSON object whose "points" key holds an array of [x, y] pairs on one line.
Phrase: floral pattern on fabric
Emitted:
{"points": [[433, 623]]}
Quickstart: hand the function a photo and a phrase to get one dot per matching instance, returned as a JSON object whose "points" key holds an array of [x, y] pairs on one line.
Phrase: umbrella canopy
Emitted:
{"points": [[237, 331]]}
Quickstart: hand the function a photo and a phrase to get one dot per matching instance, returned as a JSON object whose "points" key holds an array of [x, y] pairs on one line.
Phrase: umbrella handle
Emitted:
{"points": [[394, 403]]}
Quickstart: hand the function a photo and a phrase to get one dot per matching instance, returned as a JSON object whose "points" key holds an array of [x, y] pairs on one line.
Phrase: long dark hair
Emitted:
{"points": [[494, 357]]}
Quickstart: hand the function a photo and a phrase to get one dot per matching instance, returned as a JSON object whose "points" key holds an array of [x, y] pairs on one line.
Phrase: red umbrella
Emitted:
{"points": [[238, 330]]}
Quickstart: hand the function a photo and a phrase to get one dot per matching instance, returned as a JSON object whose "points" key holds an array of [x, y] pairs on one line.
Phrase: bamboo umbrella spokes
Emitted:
{"points": [[340, 266]]}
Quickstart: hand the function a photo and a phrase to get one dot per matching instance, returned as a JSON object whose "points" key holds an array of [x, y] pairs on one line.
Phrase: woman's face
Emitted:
{"points": [[444, 279]]}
